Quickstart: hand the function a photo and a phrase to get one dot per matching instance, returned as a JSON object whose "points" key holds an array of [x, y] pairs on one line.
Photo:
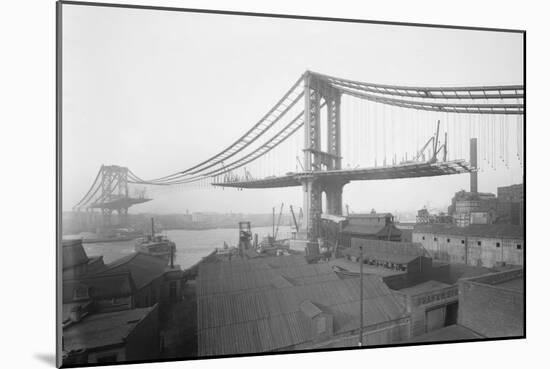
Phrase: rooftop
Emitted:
{"points": [[381, 230], [73, 253], [474, 230], [271, 319], [424, 287], [100, 330], [351, 269], [143, 268], [449, 333], [240, 275], [253, 306], [99, 286]]}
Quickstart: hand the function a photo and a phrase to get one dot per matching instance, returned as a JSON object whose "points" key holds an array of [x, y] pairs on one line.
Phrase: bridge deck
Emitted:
{"points": [[119, 203], [407, 170]]}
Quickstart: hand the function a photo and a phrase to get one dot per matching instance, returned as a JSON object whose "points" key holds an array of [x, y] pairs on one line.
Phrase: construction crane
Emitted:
{"points": [[278, 222], [434, 140], [294, 219]]}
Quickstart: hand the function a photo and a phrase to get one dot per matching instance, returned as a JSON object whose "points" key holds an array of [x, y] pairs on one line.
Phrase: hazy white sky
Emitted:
{"points": [[160, 91]]}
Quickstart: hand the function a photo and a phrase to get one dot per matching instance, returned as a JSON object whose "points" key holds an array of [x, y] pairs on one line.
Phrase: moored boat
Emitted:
{"points": [[156, 244]]}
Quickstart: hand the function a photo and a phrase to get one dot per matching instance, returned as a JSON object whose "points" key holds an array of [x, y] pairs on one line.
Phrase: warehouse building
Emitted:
{"points": [[477, 245], [293, 306], [372, 226], [489, 306], [399, 264]]}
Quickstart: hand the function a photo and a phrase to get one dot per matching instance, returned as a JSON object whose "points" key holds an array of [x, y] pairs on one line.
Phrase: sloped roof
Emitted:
{"points": [[396, 252], [449, 333], [310, 309], [372, 229], [100, 330], [231, 277], [474, 230], [101, 286], [73, 254], [382, 256], [143, 268], [269, 319], [427, 286]]}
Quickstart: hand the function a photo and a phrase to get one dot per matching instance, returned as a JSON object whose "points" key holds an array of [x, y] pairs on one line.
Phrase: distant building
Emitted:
{"points": [[511, 205], [477, 245], [372, 226], [115, 337], [424, 217], [464, 204]]}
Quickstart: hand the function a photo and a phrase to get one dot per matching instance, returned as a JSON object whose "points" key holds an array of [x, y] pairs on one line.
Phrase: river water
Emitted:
{"points": [[191, 245]]}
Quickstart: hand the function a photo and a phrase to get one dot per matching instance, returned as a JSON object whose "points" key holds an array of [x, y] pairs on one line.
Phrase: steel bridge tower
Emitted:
{"points": [[318, 94]]}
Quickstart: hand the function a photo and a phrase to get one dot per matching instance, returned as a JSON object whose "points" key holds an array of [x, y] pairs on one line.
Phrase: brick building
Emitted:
{"points": [[477, 245], [511, 205]]}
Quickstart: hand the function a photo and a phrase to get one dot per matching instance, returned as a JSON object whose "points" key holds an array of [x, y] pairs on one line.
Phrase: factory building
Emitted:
{"points": [[477, 245], [473, 208], [511, 205], [372, 226]]}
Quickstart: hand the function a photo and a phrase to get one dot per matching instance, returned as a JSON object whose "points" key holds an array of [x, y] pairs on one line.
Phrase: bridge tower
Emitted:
{"points": [[114, 186], [317, 94]]}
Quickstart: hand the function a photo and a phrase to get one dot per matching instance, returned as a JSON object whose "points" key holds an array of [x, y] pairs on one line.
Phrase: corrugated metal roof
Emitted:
{"points": [[267, 319], [474, 230], [232, 277], [396, 252]]}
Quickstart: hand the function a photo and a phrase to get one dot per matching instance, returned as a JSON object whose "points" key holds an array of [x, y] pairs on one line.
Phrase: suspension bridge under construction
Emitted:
{"points": [[326, 132]]}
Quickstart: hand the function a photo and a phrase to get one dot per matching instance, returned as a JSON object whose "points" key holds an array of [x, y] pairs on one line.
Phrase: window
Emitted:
{"points": [[479, 243], [448, 240], [462, 242], [435, 238], [321, 325], [518, 246], [498, 244], [423, 237], [81, 292]]}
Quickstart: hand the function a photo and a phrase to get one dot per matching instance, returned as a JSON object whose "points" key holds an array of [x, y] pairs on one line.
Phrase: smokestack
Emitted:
{"points": [[473, 163]]}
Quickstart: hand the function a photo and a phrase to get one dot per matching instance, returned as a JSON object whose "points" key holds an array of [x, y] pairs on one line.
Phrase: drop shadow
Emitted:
{"points": [[46, 358]]}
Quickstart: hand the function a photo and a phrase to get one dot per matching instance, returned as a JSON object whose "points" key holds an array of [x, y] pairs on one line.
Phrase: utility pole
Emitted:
{"points": [[361, 296], [273, 233]]}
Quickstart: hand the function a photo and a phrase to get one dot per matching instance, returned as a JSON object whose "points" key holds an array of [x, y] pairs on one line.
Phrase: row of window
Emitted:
{"points": [[518, 246]]}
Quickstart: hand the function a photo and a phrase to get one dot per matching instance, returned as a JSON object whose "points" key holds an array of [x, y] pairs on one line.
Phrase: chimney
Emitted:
{"points": [[473, 163]]}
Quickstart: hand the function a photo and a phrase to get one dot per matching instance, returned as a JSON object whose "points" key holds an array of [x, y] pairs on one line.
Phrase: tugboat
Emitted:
{"points": [[156, 245]]}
